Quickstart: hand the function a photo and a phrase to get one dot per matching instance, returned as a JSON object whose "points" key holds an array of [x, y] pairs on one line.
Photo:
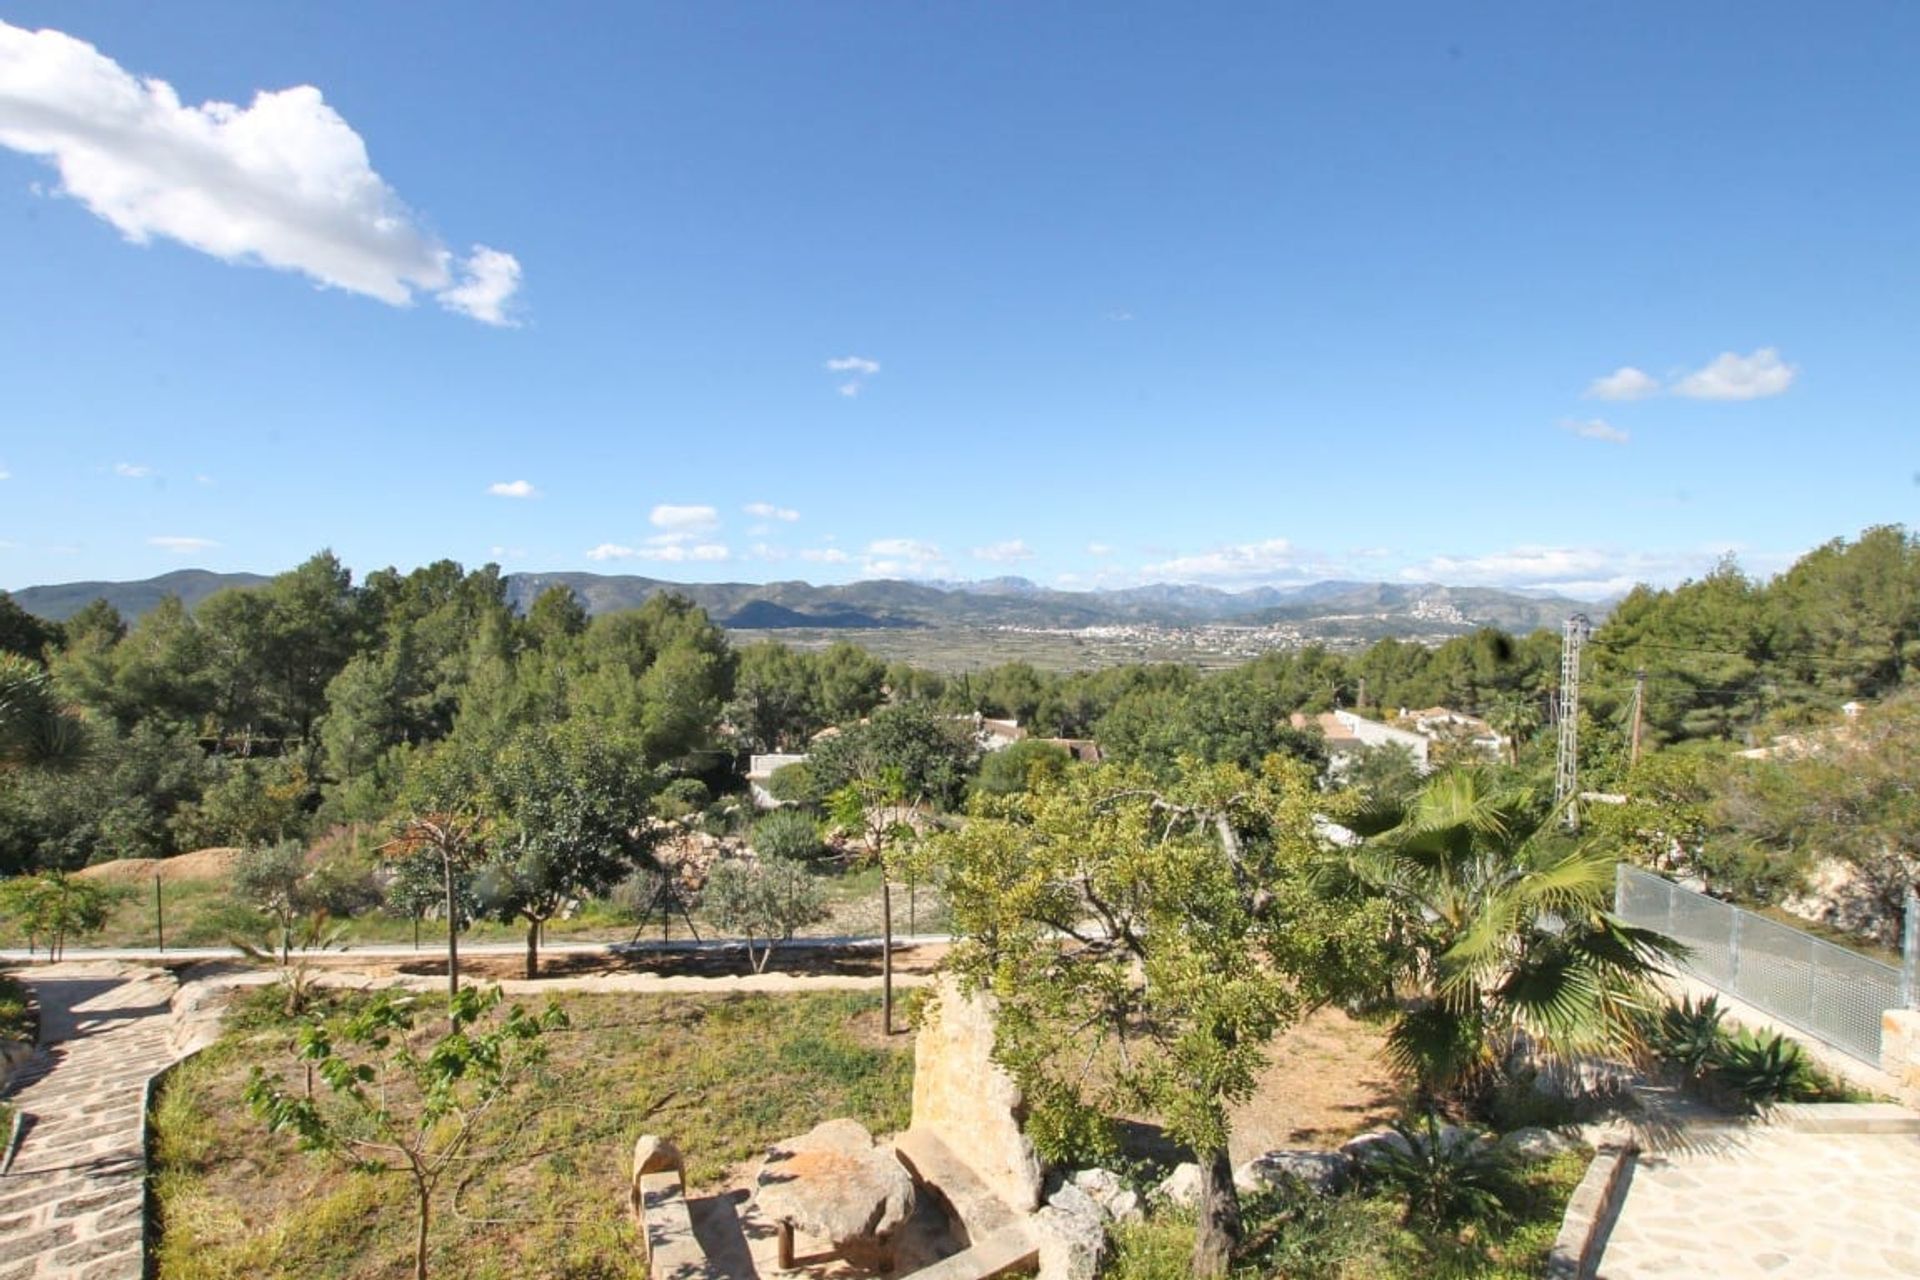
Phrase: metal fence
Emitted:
{"points": [[1829, 992]]}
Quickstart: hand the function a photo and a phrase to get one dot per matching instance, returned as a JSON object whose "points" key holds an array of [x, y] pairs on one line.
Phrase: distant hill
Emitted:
{"points": [[60, 602], [1343, 610]]}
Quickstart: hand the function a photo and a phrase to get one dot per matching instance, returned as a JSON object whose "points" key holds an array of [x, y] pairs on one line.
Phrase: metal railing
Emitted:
{"points": [[1829, 992]]}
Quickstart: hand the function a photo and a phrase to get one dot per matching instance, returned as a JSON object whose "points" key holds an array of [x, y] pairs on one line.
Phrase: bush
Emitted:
{"points": [[1762, 1071], [1015, 769], [1686, 1037], [682, 798], [794, 784], [788, 833], [1445, 1177]]}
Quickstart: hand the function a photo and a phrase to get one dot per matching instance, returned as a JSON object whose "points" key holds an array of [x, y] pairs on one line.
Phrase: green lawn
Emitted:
{"points": [[721, 1076]]}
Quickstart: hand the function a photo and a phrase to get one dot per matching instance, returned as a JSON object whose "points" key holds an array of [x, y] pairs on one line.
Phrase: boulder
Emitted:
{"points": [[1368, 1146], [1181, 1187], [1109, 1191], [1532, 1144], [833, 1182], [1073, 1235], [1320, 1171]]}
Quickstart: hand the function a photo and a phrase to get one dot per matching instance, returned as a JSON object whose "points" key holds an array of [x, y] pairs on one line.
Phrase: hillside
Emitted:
{"points": [[1333, 609]]}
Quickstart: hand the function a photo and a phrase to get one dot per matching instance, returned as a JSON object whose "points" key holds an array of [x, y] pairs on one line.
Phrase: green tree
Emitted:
{"points": [[52, 906], [1020, 767], [569, 811], [22, 633], [399, 1099], [934, 755], [453, 845], [35, 731], [765, 900], [774, 705], [1159, 931], [871, 809], [850, 682]]}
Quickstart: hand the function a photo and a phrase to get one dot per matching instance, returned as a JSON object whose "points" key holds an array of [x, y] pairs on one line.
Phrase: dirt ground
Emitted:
{"points": [[1324, 1083], [203, 864]]}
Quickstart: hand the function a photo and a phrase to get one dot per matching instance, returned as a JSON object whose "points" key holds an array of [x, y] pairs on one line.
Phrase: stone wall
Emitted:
{"points": [[1900, 1052]]}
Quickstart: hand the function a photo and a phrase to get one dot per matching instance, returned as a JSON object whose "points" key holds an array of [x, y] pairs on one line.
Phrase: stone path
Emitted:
{"points": [[71, 1206], [1735, 1202]]}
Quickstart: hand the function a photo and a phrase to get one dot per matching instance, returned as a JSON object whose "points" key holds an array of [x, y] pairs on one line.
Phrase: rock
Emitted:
{"points": [[1531, 1144], [968, 1101], [654, 1154], [833, 1182], [1073, 1236], [1320, 1171], [1181, 1187], [1108, 1191], [1368, 1146]]}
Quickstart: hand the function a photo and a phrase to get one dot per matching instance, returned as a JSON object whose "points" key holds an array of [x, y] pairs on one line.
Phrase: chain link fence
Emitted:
{"points": [[1829, 992]]}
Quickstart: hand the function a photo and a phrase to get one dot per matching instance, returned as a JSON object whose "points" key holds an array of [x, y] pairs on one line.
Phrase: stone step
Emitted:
{"points": [[1010, 1249], [1884, 1118]]}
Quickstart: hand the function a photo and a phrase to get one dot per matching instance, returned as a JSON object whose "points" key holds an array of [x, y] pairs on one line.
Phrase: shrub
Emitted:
{"points": [[1762, 1071], [1445, 1176], [682, 798], [794, 784], [788, 833], [1686, 1037]]}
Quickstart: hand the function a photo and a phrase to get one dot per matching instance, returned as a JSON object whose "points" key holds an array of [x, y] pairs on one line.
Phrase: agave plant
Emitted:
{"points": [[1445, 1174], [1688, 1037], [1762, 1071]]}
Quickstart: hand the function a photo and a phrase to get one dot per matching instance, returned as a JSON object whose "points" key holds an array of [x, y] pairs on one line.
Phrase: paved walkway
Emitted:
{"points": [[71, 1206], [1750, 1201]]}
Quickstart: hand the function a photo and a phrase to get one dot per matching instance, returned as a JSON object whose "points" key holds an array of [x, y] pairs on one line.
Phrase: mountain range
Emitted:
{"points": [[1370, 607]]}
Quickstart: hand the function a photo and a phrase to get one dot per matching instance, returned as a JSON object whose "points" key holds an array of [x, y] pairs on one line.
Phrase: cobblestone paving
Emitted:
{"points": [[1758, 1202], [71, 1205]]}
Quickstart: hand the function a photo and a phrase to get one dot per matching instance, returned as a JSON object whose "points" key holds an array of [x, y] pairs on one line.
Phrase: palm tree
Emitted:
{"points": [[1509, 941], [1513, 717], [35, 732]]}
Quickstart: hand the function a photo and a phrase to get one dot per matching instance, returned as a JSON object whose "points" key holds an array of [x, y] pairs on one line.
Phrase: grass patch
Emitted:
{"points": [[16, 1020], [723, 1077], [1361, 1236]]}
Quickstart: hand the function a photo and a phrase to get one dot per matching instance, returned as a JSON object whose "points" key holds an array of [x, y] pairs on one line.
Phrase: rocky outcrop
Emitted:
{"points": [[1324, 1172], [967, 1103]]}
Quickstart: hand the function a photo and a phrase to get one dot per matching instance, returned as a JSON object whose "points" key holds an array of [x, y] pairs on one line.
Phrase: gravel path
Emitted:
{"points": [[71, 1205]]}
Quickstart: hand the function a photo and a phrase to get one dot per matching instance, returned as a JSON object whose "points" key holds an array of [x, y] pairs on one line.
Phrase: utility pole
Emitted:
{"points": [[1639, 712], [1566, 773]]}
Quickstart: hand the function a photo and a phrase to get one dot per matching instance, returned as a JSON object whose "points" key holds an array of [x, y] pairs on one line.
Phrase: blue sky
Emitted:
{"points": [[1534, 295]]}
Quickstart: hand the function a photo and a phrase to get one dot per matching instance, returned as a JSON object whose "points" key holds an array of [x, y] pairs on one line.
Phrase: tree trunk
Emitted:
{"points": [[453, 951], [420, 1237], [886, 951], [533, 948], [1219, 1225]]}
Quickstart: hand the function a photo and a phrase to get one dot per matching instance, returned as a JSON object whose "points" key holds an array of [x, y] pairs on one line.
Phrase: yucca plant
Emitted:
{"points": [[1446, 1177]]}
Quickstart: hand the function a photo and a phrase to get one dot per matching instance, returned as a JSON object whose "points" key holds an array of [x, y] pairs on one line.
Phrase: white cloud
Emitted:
{"points": [[669, 516], [666, 548], [1246, 562], [507, 553], [1596, 429], [1099, 549], [1734, 377], [767, 511], [825, 555], [513, 489], [1583, 572], [1014, 549], [1624, 383], [181, 546], [859, 369], [204, 479], [901, 557], [5, 474], [132, 470], [488, 281], [283, 182]]}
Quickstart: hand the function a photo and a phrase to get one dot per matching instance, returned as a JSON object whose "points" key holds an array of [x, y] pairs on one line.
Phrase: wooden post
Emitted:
{"points": [[783, 1238], [1639, 707]]}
